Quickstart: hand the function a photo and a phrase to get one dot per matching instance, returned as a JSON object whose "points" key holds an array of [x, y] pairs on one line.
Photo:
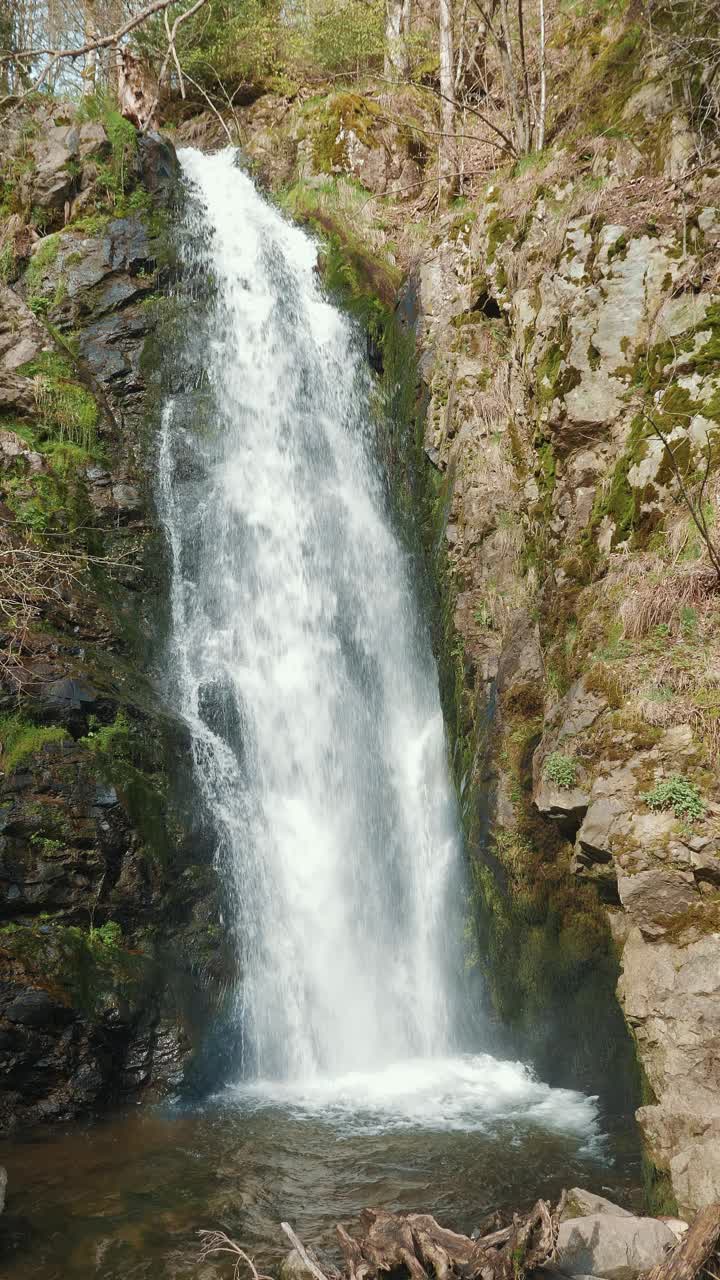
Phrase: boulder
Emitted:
{"points": [[93, 142], [655, 896], [579, 1203], [671, 998], [293, 1267], [159, 165], [51, 181], [565, 805], [21, 336], [17, 396], [614, 1246]]}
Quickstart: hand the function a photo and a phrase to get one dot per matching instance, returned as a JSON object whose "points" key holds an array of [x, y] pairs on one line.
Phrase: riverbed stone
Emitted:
{"points": [[579, 1203], [293, 1267], [613, 1246]]}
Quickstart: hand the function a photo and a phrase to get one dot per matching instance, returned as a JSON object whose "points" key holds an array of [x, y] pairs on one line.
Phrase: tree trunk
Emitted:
{"points": [[519, 106], [691, 1255], [447, 150], [543, 81], [91, 59], [397, 22]]}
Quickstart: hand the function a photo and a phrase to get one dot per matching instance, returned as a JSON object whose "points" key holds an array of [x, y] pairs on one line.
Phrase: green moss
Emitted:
{"points": [[342, 114], [42, 259], [498, 231], [130, 756], [659, 1195], [66, 409], [602, 681], [619, 500], [613, 78], [546, 469], [21, 739], [85, 965]]}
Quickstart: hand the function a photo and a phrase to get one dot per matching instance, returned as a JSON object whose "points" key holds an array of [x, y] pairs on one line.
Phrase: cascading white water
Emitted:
{"points": [[296, 626], [301, 664]]}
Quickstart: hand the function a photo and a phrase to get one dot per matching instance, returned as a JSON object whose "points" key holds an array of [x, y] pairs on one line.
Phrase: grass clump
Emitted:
{"points": [[21, 739], [561, 769], [680, 795]]}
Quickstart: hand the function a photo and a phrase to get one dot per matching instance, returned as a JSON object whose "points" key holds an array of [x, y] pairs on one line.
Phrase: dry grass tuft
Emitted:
{"points": [[657, 602]]}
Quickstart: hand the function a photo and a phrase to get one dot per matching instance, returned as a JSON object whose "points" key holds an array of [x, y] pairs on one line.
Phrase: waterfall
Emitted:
{"points": [[301, 663]]}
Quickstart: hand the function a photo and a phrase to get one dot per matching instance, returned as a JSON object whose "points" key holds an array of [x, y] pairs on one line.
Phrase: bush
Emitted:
{"points": [[678, 794], [562, 770]]}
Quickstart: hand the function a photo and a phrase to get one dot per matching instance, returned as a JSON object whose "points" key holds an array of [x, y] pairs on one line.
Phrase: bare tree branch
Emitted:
{"points": [[219, 1242], [694, 506], [112, 40]]}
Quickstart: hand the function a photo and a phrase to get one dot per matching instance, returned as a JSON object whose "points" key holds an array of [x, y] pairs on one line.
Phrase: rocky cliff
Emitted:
{"points": [[559, 437], [108, 901]]}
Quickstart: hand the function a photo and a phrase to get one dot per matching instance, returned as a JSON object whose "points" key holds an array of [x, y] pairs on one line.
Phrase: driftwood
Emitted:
{"points": [[696, 1253], [416, 1244], [307, 1256]]}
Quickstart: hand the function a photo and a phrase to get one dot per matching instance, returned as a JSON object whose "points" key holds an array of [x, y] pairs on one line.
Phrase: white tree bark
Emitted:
{"points": [[89, 74], [397, 26], [447, 150], [543, 80]]}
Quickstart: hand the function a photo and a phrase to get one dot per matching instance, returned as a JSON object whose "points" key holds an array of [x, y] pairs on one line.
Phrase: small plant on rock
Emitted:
{"points": [[561, 769], [678, 794]]}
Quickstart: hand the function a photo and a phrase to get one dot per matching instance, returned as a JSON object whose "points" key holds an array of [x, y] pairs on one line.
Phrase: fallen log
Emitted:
{"points": [[696, 1252]]}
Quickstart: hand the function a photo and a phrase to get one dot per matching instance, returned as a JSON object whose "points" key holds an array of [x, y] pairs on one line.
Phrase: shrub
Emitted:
{"points": [[678, 794], [561, 769]]}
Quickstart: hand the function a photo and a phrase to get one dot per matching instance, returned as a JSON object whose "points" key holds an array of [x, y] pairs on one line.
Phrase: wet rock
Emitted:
{"points": [[159, 166], [613, 1246], [68, 702], [37, 1009], [127, 499]]}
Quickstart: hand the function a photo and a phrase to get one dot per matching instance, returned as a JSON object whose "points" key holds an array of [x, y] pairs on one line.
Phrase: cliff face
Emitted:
{"points": [[567, 386], [108, 901]]}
